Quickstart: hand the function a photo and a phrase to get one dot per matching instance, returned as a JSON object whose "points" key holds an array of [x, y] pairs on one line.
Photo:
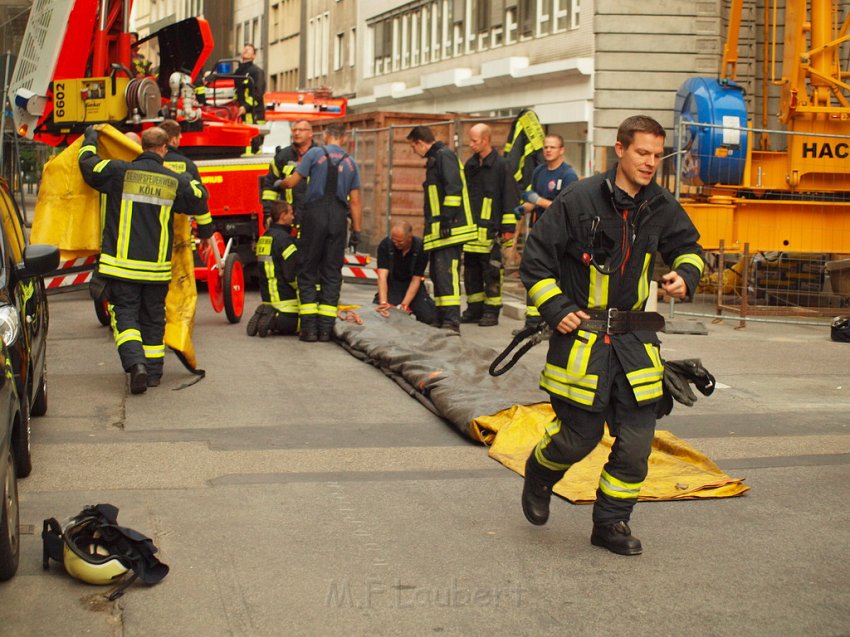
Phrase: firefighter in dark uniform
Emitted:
{"points": [[333, 192], [594, 250], [174, 159], [142, 197], [493, 195], [283, 165], [448, 221], [250, 91], [277, 256]]}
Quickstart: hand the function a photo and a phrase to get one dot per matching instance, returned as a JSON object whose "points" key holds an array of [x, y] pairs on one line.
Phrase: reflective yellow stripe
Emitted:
{"points": [[447, 301], [308, 309], [434, 201], [493, 300], [553, 429], [327, 310], [643, 284], [690, 259], [478, 297], [269, 195], [88, 148], [452, 201], [289, 250], [597, 291], [204, 219], [460, 234], [164, 237], [100, 166], [127, 336], [609, 485], [287, 306], [531, 310], [125, 219], [154, 351], [162, 266], [573, 382], [543, 290], [486, 208], [196, 189], [647, 383]]}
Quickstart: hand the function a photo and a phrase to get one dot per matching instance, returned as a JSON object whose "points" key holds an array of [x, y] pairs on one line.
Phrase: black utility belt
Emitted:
{"points": [[614, 321]]}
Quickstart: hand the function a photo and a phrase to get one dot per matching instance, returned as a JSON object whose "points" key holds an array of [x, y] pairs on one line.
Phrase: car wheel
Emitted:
{"points": [[39, 403], [10, 538], [21, 441]]}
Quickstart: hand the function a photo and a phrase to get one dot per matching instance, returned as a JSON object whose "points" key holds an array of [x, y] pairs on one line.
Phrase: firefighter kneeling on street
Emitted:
{"points": [[278, 267]]}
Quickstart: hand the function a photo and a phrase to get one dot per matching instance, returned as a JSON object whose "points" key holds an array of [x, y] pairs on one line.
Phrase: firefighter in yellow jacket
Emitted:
{"points": [[592, 252], [141, 199], [448, 221]]}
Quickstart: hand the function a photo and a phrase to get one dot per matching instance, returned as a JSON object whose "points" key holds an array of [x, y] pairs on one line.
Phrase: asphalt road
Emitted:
{"points": [[298, 491]]}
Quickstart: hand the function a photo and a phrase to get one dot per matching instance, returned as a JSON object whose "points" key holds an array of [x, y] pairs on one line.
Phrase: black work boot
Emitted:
{"points": [[489, 319], [251, 328], [138, 378], [309, 330], [471, 314], [616, 537], [536, 495]]}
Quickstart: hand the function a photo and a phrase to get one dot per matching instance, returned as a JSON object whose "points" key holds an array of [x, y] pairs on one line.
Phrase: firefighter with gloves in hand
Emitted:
{"points": [[589, 260]]}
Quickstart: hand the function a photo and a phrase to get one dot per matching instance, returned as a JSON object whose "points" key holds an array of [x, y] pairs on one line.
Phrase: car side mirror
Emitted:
{"points": [[40, 258]]}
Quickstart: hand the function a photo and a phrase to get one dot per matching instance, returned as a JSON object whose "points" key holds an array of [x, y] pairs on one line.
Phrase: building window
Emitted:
{"points": [[339, 50], [275, 27], [352, 47]]}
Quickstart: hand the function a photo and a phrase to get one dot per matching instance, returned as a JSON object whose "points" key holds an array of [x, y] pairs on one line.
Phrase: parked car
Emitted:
{"points": [[11, 420], [22, 288], [23, 346]]}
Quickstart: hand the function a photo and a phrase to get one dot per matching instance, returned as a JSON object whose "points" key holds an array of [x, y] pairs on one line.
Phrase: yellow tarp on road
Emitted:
{"points": [[449, 375], [677, 471], [68, 215]]}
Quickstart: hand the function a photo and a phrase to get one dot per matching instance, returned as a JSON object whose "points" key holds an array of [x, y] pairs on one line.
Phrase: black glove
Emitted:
{"points": [[354, 239], [445, 227]]}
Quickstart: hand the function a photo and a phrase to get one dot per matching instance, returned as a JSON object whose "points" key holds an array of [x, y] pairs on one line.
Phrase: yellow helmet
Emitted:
{"points": [[93, 548], [86, 558]]}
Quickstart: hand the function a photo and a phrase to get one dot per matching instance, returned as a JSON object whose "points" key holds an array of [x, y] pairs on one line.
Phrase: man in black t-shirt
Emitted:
{"points": [[401, 271]]}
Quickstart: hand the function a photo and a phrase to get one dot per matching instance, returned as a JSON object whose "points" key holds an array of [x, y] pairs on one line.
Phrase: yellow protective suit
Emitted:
{"points": [[68, 215]]}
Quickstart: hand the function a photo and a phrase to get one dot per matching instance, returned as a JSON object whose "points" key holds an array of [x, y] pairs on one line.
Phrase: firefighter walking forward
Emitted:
{"points": [[448, 221], [493, 194], [142, 197], [594, 250], [333, 192]]}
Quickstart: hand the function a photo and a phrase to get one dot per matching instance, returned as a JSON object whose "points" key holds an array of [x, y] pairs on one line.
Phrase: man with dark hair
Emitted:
{"points": [[277, 256], [401, 271], [142, 197], [448, 221], [283, 164], [249, 93], [493, 194], [587, 267], [333, 194], [174, 159]]}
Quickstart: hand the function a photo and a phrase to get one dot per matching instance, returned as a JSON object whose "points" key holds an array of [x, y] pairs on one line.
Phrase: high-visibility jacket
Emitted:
{"points": [[594, 219], [249, 92], [446, 199], [493, 195], [179, 163], [278, 265], [283, 164], [141, 198]]}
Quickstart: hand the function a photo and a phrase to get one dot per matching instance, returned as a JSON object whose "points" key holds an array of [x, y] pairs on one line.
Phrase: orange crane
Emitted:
{"points": [[790, 191]]}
